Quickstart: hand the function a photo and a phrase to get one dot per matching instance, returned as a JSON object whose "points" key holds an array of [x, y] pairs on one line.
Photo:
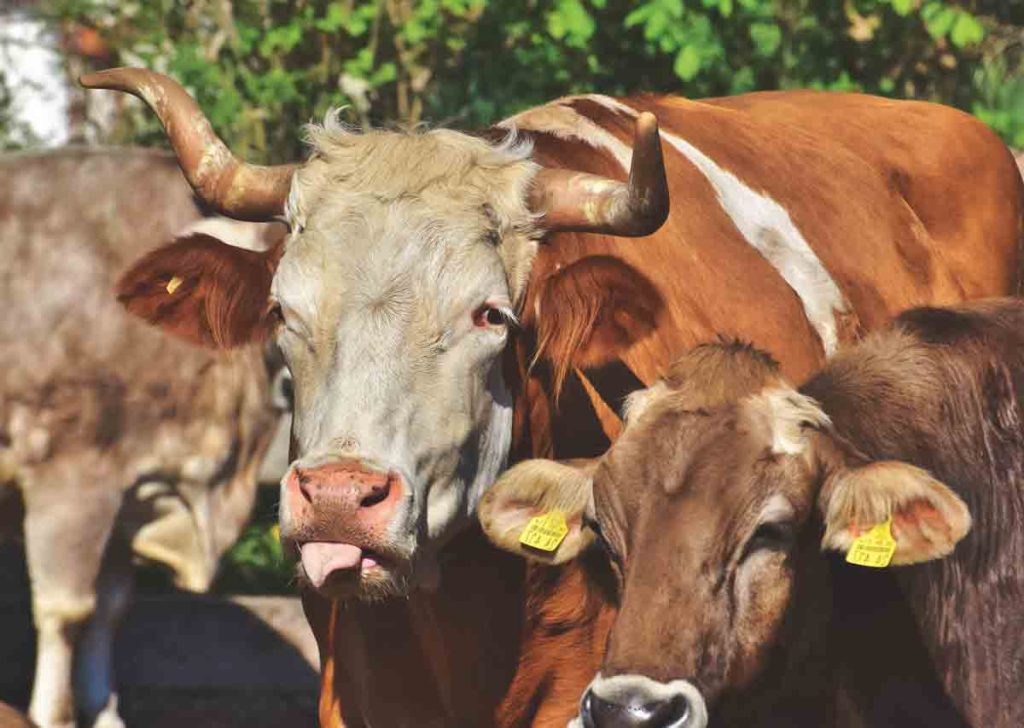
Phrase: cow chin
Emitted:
{"points": [[376, 584]]}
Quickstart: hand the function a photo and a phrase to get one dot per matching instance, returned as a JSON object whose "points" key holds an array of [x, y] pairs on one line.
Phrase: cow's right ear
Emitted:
{"points": [[203, 290], [536, 488], [927, 517]]}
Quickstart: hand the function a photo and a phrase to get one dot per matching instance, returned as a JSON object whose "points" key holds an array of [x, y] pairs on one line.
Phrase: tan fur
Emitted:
{"points": [[436, 167], [116, 436], [532, 488], [788, 416], [705, 377]]}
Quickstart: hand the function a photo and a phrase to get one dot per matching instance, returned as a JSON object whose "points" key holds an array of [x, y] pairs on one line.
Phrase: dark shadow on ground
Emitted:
{"points": [[183, 659]]}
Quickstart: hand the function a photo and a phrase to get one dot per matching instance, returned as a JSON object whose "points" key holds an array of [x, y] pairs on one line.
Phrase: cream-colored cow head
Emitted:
{"points": [[392, 300]]}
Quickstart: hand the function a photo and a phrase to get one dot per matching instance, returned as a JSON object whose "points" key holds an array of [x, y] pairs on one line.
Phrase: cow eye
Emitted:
{"points": [[600, 538], [492, 316], [770, 536], [275, 316]]}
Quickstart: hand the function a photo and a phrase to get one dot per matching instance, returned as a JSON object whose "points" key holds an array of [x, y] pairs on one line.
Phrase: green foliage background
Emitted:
{"points": [[262, 68]]}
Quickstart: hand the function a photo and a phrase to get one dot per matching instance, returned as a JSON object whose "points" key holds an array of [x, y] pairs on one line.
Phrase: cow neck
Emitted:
{"points": [[438, 658], [947, 620]]}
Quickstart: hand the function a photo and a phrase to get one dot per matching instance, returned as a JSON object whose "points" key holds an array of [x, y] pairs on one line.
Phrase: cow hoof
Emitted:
{"points": [[108, 717]]}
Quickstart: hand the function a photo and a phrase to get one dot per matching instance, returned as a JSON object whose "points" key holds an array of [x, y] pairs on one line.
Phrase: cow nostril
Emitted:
{"points": [[377, 494], [635, 712], [674, 712], [587, 710], [305, 485]]}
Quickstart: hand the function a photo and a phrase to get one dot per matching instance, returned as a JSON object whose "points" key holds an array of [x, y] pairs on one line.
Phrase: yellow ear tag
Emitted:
{"points": [[545, 532], [874, 548], [172, 285]]}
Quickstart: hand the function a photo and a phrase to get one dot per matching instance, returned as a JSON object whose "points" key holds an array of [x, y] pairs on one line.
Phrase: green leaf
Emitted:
{"points": [[571, 21], [903, 7], [333, 19], [767, 38], [967, 31], [938, 19], [687, 63]]}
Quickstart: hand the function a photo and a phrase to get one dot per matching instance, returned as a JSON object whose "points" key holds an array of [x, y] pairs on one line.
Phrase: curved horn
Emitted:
{"points": [[589, 203], [234, 188]]}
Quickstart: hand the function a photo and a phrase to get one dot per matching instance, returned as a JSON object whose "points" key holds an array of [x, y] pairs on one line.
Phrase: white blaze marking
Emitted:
{"points": [[565, 122], [768, 227], [762, 221]]}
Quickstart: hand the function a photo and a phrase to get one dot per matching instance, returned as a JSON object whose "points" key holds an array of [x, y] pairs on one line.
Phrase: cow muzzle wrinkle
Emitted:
{"points": [[635, 701]]}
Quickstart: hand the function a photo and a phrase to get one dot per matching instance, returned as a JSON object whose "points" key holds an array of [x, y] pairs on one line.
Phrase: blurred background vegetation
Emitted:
{"points": [[262, 68]]}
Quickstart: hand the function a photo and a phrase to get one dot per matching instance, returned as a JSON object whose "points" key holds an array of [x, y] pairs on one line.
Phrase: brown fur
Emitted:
{"points": [[220, 296], [591, 309], [678, 500], [927, 237]]}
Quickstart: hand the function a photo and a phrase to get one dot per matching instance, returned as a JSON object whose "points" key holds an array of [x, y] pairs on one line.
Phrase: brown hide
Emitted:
{"points": [[903, 204], [953, 407], [11, 718], [880, 201], [716, 514]]}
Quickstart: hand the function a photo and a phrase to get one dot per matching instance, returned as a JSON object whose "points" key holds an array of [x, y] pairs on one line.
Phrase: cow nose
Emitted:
{"points": [[345, 490], [349, 484], [634, 711]]}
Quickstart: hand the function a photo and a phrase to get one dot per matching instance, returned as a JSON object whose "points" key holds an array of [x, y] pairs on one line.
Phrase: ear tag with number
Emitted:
{"points": [[545, 532], [874, 548], [172, 285]]}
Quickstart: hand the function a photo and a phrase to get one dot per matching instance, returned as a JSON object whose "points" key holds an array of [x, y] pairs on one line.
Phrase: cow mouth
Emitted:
{"points": [[340, 570]]}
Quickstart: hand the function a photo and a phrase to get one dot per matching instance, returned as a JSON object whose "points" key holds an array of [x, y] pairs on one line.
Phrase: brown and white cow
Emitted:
{"points": [[447, 301], [122, 443], [714, 505]]}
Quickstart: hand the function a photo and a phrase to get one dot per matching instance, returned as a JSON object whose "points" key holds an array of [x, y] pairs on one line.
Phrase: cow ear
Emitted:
{"points": [[928, 518], [202, 290], [539, 488]]}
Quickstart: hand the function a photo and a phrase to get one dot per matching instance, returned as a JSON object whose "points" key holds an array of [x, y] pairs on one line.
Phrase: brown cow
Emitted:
{"points": [[715, 503], [446, 301], [11, 718], [121, 442]]}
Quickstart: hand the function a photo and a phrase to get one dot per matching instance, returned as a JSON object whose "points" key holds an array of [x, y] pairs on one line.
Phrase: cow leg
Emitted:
{"points": [[95, 688], [66, 532]]}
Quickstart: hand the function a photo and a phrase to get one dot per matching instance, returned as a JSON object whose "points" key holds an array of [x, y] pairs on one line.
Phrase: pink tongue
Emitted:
{"points": [[321, 559]]}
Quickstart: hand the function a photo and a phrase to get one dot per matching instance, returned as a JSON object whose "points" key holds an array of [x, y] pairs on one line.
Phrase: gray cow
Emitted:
{"points": [[123, 442]]}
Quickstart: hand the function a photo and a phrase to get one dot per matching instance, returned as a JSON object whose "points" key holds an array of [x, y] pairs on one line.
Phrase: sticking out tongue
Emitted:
{"points": [[321, 559]]}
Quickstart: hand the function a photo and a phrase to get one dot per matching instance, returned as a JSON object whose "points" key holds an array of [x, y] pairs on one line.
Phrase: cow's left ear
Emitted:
{"points": [[203, 290], [537, 495], [928, 518]]}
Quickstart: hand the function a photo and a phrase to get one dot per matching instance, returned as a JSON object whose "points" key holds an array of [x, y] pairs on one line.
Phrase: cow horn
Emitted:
{"points": [[582, 202], [234, 188]]}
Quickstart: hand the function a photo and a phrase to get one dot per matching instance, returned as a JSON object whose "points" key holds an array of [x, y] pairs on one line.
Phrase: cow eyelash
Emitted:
{"points": [[492, 315]]}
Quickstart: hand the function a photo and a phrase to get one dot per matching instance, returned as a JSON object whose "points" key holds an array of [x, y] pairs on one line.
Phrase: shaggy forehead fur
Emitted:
{"points": [[708, 376], [459, 186]]}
